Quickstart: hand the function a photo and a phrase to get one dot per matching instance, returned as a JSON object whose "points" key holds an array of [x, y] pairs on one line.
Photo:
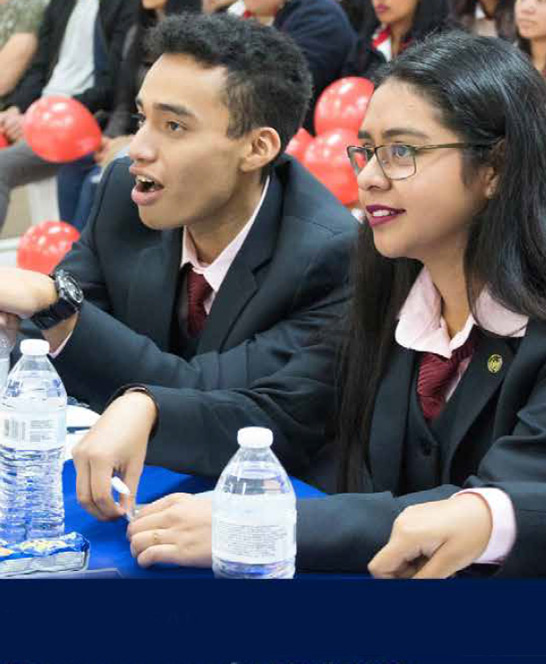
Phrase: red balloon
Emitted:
{"points": [[299, 144], [43, 246], [343, 104], [60, 129], [3, 141], [327, 159]]}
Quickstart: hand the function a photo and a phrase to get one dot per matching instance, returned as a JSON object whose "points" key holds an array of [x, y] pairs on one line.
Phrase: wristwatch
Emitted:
{"points": [[69, 301]]}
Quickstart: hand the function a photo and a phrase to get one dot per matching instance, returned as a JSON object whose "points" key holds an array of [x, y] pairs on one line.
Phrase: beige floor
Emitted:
{"points": [[18, 219]]}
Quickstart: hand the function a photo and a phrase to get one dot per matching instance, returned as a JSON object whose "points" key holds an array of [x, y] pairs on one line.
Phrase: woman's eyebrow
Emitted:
{"points": [[395, 131], [404, 131]]}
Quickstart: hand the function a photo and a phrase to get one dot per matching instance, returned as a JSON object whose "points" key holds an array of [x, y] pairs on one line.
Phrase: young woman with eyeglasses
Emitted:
{"points": [[489, 18], [531, 29], [390, 26], [438, 384]]}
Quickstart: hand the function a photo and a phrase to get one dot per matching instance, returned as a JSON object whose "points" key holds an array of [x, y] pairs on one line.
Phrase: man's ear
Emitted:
{"points": [[263, 146]]}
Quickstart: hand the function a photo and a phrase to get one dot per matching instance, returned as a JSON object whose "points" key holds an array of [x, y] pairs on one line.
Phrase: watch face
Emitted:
{"points": [[69, 287], [74, 291]]}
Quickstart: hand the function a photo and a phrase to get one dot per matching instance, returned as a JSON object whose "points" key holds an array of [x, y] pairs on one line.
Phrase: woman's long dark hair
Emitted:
{"points": [[465, 10], [486, 91], [430, 16]]}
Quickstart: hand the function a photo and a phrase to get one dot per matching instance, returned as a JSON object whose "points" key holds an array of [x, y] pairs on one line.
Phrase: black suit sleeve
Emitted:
{"points": [[360, 524], [197, 433]]}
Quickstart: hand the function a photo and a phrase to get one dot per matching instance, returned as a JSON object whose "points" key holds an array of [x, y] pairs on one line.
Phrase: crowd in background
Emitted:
{"points": [[339, 38]]}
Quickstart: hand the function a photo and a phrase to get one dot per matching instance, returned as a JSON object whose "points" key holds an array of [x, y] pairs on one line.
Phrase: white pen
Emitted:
{"points": [[119, 485]]}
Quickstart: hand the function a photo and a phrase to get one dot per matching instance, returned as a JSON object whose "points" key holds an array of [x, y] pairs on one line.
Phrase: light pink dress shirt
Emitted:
{"points": [[422, 328], [216, 271]]}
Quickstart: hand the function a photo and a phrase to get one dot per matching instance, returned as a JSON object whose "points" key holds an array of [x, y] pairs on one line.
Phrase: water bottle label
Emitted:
{"points": [[254, 544], [29, 431]]}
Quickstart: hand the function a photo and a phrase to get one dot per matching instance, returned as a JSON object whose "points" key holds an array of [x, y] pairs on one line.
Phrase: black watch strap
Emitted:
{"points": [[69, 302]]}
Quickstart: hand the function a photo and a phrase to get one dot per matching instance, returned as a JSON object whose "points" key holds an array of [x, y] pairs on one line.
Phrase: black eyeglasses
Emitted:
{"points": [[397, 161]]}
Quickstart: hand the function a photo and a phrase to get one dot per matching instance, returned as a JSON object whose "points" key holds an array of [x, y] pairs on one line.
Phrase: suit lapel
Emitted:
{"points": [[240, 283], [389, 422], [484, 376], [153, 288]]}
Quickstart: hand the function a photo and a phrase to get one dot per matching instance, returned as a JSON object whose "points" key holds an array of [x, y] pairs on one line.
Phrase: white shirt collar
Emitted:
{"points": [[216, 271], [422, 328]]}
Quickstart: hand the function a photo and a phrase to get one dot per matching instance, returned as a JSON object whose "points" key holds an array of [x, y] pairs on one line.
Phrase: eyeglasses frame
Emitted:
{"points": [[415, 150]]}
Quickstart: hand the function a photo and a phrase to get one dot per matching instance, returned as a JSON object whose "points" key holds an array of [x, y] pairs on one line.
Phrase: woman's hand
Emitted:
{"points": [[435, 540], [175, 529]]}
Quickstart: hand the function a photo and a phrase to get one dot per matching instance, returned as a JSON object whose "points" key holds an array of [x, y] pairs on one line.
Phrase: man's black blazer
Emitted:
{"points": [[287, 282], [499, 440], [115, 16]]}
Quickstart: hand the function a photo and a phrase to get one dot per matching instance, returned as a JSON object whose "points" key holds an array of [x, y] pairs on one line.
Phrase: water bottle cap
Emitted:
{"points": [[34, 347], [255, 437]]}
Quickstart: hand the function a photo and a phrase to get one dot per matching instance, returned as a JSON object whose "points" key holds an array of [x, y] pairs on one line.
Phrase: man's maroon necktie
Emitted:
{"points": [[435, 374], [198, 291]]}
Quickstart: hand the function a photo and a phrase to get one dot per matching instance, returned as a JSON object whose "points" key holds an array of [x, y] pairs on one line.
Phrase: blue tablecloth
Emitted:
{"points": [[109, 545]]}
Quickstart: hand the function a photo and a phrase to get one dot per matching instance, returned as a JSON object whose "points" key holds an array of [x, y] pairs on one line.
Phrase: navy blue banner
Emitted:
{"points": [[305, 621]]}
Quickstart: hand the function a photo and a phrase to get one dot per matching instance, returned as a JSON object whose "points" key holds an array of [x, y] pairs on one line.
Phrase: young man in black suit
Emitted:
{"points": [[80, 45], [268, 244]]}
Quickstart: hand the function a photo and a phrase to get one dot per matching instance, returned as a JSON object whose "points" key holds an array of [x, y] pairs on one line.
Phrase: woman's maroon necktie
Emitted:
{"points": [[435, 374]]}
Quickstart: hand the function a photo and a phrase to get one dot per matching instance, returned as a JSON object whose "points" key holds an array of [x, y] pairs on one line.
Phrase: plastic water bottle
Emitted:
{"points": [[6, 346], [32, 437], [254, 513]]}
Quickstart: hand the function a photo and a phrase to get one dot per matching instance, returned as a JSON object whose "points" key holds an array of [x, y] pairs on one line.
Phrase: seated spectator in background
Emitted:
{"points": [[77, 182], [531, 31], [490, 18], [238, 255], [390, 26], [440, 384], [355, 12], [19, 23], [79, 48], [437, 540], [319, 27]]}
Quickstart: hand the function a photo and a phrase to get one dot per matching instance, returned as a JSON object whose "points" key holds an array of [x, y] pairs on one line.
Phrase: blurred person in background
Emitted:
{"points": [[20, 21], [531, 30], [77, 182], [489, 18], [320, 28], [390, 26], [79, 49]]}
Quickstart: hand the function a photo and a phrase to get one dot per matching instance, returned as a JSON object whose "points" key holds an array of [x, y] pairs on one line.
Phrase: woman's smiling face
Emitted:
{"points": [[426, 216]]}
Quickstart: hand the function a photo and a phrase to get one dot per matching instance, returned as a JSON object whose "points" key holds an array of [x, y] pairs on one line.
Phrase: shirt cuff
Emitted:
{"points": [[59, 350], [503, 533]]}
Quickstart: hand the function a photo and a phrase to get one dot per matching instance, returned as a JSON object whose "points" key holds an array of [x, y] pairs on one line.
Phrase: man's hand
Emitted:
{"points": [[175, 529], [115, 445], [435, 540], [24, 292]]}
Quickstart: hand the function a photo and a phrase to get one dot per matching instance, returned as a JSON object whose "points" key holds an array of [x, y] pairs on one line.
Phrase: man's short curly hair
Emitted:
{"points": [[268, 83]]}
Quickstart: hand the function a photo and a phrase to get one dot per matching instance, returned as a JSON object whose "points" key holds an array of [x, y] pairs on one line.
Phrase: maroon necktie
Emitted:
{"points": [[435, 374], [198, 291]]}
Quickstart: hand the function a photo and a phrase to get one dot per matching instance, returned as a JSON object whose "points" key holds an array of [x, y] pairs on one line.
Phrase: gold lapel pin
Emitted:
{"points": [[494, 364]]}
